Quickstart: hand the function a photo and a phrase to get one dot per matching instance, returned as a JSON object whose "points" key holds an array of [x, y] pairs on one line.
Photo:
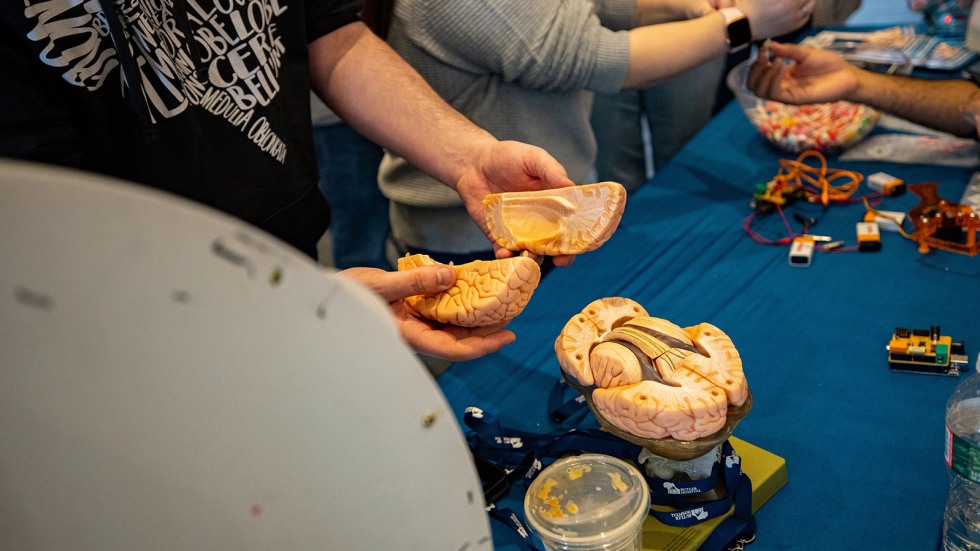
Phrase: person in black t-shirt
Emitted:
{"points": [[209, 99]]}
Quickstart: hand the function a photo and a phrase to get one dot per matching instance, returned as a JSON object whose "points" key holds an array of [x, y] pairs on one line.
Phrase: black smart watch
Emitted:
{"points": [[739, 32]]}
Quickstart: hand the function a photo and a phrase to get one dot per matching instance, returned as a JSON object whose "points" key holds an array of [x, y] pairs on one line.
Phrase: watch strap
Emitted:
{"points": [[738, 32]]}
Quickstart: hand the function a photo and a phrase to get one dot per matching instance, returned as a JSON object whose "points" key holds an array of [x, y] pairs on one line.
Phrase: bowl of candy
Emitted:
{"points": [[824, 127]]}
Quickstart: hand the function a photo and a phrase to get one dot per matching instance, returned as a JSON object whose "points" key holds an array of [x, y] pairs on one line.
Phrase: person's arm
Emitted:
{"points": [[652, 12], [381, 96], [816, 76], [564, 46], [658, 52], [364, 81], [947, 105]]}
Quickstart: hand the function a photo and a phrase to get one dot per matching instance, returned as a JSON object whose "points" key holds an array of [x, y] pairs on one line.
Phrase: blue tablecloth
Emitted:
{"points": [[863, 445]]}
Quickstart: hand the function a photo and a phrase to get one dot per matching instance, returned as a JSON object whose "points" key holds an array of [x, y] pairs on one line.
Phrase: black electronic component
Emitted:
{"points": [[805, 220]]}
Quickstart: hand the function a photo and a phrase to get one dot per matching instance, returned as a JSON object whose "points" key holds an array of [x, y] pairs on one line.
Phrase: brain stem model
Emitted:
{"points": [[678, 392]]}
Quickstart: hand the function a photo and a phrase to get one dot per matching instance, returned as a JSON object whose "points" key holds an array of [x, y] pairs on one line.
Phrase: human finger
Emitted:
{"points": [[405, 283], [563, 260], [544, 167], [559, 261], [767, 85], [756, 71], [761, 76], [788, 51], [454, 343], [469, 348]]}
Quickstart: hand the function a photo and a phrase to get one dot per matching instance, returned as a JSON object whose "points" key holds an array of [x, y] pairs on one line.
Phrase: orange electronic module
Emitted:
{"points": [[943, 224], [925, 351]]}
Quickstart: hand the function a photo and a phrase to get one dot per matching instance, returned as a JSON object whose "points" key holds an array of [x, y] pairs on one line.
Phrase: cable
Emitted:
{"points": [[818, 184], [898, 222]]}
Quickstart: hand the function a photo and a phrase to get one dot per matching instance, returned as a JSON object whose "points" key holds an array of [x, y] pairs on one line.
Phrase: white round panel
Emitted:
{"points": [[171, 378]]}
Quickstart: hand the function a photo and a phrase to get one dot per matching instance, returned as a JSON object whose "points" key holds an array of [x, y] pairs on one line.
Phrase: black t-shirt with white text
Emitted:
{"points": [[220, 113]]}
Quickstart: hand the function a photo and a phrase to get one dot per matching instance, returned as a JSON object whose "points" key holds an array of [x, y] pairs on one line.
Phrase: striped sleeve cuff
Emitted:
{"points": [[612, 62]]}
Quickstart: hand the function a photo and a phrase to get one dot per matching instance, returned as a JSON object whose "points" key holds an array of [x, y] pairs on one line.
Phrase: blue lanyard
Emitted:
{"points": [[524, 454]]}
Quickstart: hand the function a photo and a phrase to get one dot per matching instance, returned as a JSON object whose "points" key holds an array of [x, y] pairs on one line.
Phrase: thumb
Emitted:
{"points": [[548, 169], [417, 281], [788, 51]]}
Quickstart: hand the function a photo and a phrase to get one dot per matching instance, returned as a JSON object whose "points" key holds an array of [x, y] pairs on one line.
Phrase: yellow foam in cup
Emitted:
{"points": [[589, 501]]}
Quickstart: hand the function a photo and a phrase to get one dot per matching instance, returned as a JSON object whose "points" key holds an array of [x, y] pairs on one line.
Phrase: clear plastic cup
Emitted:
{"points": [[588, 502]]}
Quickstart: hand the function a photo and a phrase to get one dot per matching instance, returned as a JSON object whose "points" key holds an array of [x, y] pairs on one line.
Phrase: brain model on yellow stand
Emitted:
{"points": [[486, 292], [676, 391], [569, 220]]}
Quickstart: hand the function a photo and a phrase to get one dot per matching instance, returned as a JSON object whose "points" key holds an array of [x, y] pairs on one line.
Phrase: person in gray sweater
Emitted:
{"points": [[527, 70]]}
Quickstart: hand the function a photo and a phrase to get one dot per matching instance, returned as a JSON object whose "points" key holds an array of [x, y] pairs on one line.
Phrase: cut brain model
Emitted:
{"points": [[486, 292], [569, 220], [650, 378]]}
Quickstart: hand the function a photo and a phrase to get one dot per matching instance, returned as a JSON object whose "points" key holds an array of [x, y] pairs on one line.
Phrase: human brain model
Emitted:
{"points": [[486, 292], [650, 379], [569, 220]]}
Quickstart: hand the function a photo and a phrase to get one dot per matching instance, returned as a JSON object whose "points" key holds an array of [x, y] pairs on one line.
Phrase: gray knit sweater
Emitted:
{"points": [[522, 69]]}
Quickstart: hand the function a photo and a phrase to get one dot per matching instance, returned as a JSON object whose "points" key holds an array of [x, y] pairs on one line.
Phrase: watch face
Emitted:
{"points": [[739, 33]]}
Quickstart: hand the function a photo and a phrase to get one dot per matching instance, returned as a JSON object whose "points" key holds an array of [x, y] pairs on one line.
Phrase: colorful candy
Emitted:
{"points": [[821, 126]]}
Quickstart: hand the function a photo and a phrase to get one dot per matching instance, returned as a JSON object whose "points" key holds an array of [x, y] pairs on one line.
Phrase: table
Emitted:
{"points": [[863, 444]]}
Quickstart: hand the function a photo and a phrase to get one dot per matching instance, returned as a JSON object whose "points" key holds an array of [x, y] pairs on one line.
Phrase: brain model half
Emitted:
{"points": [[570, 220], [649, 378], [486, 292]]}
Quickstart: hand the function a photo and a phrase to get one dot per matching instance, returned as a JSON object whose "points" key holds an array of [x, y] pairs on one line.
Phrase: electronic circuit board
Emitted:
{"points": [[925, 351]]}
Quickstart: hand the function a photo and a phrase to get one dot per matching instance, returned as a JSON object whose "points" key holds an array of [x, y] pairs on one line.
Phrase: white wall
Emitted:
{"points": [[884, 12]]}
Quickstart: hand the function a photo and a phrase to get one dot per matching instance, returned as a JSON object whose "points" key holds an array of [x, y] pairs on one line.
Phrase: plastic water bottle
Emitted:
{"points": [[961, 523]]}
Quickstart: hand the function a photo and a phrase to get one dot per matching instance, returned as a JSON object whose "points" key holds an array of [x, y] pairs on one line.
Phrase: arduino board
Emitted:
{"points": [[925, 351]]}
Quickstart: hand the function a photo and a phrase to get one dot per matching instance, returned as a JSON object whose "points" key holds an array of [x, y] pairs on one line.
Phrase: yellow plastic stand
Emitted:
{"points": [[767, 472]]}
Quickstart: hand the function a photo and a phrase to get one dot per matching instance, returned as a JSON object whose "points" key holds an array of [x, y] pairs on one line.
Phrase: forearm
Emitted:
{"points": [[660, 52], [391, 104], [939, 104], [652, 12]]}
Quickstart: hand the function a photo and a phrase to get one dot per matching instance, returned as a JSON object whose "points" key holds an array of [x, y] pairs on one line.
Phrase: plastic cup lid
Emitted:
{"points": [[585, 500]]}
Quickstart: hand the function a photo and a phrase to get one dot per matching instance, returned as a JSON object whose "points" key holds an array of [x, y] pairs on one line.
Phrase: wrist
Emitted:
{"points": [[863, 88], [469, 150]]}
